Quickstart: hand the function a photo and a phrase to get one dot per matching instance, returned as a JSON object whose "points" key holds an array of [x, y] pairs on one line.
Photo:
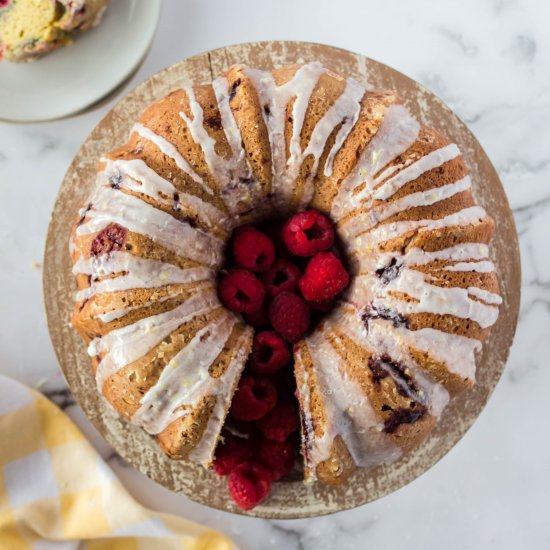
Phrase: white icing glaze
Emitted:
{"points": [[136, 272], [424, 164], [218, 166], [434, 299], [485, 295], [122, 346], [114, 206], [230, 127], [346, 108], [458, 253], [137, 176], [276, 99], [478, 267], [365, 197], [362, 205], [422, 198], [349, 109], [182, 383], [455, 351], [384, 340], [222, 389], [385, 232], [168, 149], [238, 188], [119, 313], [397, 132], [348, 411]]}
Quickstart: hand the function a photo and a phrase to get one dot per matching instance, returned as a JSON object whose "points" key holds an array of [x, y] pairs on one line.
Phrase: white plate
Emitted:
{"points": [[73, 78]]}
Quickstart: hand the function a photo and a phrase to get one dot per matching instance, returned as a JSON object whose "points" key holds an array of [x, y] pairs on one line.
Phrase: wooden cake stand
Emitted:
{"points": [[291, 499]]}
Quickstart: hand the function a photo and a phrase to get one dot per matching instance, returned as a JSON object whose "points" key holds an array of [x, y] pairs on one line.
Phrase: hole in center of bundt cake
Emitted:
{"points": [[283, 278]]}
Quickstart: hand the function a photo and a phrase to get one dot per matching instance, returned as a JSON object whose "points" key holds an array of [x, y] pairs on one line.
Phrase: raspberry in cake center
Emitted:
{"points": [[283, 278]]}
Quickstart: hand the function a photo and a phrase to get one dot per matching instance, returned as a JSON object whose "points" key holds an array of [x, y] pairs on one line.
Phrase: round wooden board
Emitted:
{"points": [[287, 499]]}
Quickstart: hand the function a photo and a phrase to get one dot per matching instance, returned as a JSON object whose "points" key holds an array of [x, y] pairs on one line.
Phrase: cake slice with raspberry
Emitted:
{"points": [[285, 278], [32, 28]]}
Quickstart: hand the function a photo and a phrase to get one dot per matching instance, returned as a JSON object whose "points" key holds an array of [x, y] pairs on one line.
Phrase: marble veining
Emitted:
{"points": [[490, 62]]}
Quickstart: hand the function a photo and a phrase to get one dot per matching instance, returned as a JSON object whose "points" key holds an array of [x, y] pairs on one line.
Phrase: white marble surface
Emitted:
{"points": [[490, 61]]}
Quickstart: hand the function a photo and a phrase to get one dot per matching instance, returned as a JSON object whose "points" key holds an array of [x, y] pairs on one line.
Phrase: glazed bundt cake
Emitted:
{"points": [[375, 374], [32, 28]]}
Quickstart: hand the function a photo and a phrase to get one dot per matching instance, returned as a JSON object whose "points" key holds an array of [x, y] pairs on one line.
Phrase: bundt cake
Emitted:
{"points": [[376, 372], [31, 28]]}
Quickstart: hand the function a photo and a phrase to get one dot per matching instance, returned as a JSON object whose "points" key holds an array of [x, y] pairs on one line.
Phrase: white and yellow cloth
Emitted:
{"points": [[56, 491]]}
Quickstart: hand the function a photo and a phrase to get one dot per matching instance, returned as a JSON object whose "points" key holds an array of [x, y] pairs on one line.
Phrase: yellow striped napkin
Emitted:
{"points": [[56, 491]]}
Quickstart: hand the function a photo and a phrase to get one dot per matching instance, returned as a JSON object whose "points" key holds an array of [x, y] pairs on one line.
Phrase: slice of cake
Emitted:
{"points": [[32, 28]]}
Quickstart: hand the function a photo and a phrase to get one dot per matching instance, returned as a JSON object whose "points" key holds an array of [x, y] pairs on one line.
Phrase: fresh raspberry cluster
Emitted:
{"points": [[271, 283], [263, 417], [278, 279]]}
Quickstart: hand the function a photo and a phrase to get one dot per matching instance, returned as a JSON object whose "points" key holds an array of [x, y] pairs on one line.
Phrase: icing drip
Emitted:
{"points": [[348, 411], [455, 351], [422, 198], [434, 299], [218, 166], [238, 188], [135, 175], [182, 383], [345, 110], [348, 110], [166, 148], [428, 162], [229, 124], [397, 132], [366, 196], [387, 339], [222, 389], [486, 296], [478, 267], [458, 253], [135, 272], [114, 206], [122, 346], [300, 87], [119, 313], [386, 232]]}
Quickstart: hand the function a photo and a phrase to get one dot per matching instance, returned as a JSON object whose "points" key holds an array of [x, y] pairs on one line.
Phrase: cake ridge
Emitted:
{"points": [[170, 151]]}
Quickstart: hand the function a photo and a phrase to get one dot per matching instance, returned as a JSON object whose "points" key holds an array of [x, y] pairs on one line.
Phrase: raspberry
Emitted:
{"points": [[278, 458], [232, 452], [111, 238], [241, 291], [280, 277], [248, 484], [259, 318], [280, 422], [253, 249], [307, 233], [269, 353], [325, 277], [255, 396], [289, 316]]}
